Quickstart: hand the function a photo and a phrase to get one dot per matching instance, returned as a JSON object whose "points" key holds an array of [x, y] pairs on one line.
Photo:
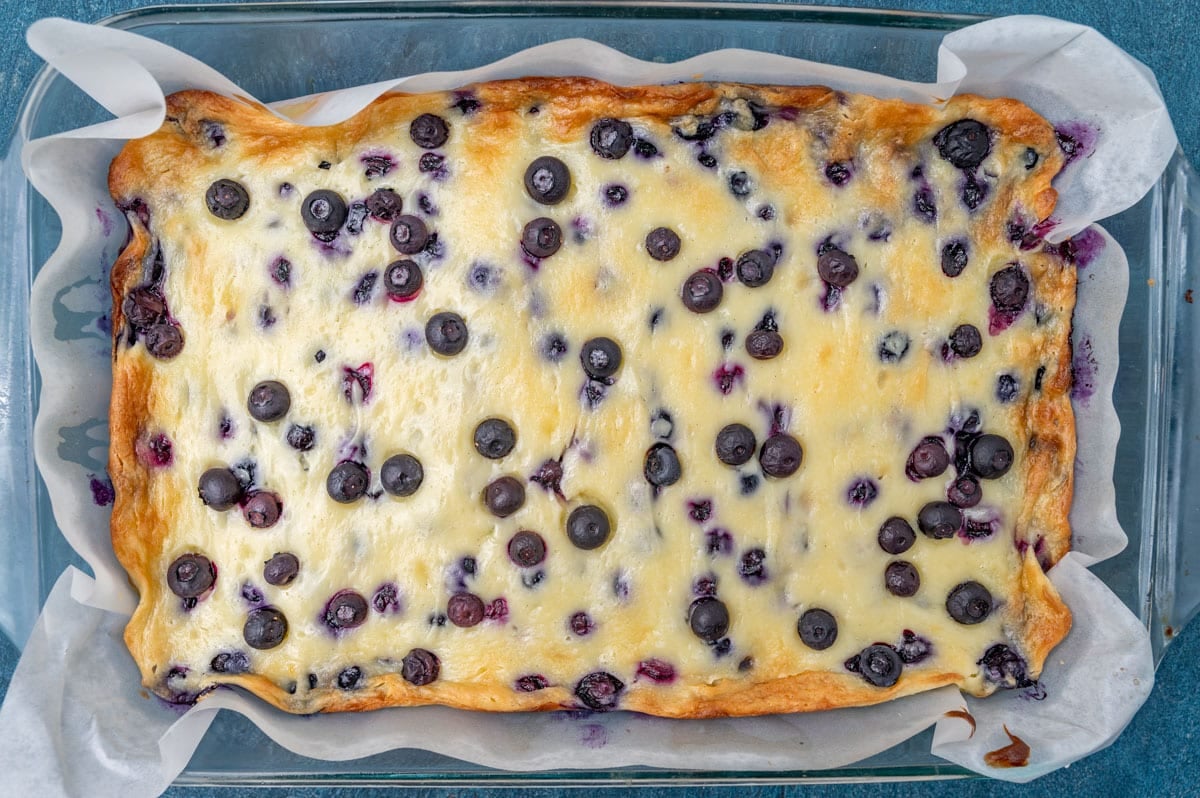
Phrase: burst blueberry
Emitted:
{"points": [[964, 143], [420, 667], [599, 691], [965, 340], [1004, 667], [1009, 289], [230, 663], [611, 138], [954, 258], [964, 491]]}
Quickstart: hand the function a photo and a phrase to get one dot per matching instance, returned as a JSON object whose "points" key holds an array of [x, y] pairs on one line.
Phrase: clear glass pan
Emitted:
{"points": [[283, 50]]}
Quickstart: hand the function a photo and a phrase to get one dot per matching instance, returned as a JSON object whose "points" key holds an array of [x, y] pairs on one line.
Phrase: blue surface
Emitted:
{"points": [[1156, 755]]}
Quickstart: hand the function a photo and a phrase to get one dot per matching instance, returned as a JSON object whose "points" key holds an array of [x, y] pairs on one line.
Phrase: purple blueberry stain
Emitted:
{"points": [[357, 382], [1083, 371], [582, 229], [281, 271], [103, 493], [549, 476], [979, 526], [376, 164], [386, 599], [213, 131], [156, 451], [862, 492], [593, 735], [727, 377], [753, 567], [252, 595], [1036, 692], [700, 510], [483, 278], [1000, 320], [434, 165], [465, 102], [1084, 248], [705, 585], [426, 204], [496, 610], [656, 670], [1077, 140], [266, 317], [106, 222], [831, 300], [718, 541], [620, 586]]}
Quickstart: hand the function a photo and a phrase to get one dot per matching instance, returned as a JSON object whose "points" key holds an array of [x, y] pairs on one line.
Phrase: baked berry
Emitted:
{"points": [[384, 204], [269, 401], [739, 184], [928, 458], [662, 467], [429, 131], [964, 143], [219, 488], [662, 243], [401, 475], [408, 235], [464, 610], [1009, 289], [265, 628], [901, 579], [365, 288], [588, 527], [954, 258], [764, 344], [346, 609], [531, 683], [615, 194], [301, 438], [913, 648], [753, 566], [838, 172], [403, 280], [991, 456], [893, 347], [581, 624], [541, 238], [1004, 667], [549, 475], [386, 598], [281, 569], [837, 267], [526, 548], [547, 180], [923, 204], [644, 149], [1007, 388], [262, 509], [656, 670], [896, 535], [227, 199], [351, 678], [504, 496], [880, 665], [966, 341], [974, 192], [702, 291], [347, 482], [163, 341], [817, 628], [446, 333], [969, 603], [611, 138], [494, 438], [144, 306], [599, 691], [964, 491], [755, 267], [780, 455], [323, 212], [191, 575], [735, 444], [230, 662], [708, 618], [554, 347], [420, 667], [601, 357], [939, 520]]}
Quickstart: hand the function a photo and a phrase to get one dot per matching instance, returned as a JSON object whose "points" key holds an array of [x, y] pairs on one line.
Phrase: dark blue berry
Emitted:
{"points": [[403, 280], [939, 520], [547, 180], [465, 610], [964, 491], [265, 628], [230, 662], [966, 340], [281, 569], [818, 629], [531, 684], [756, 267], [601, 357], [588, 527], [969, 603], [219, 488], [401, 475], [384, 204], [347, 482], [954, 258], [964, 143], [893, 347], [1004, 667], [837, 267], [991, 456], [862, 492], [420, 667], [599, 691], [735, 444], [324, 212], [301, 438], [408, 234], [896, 535], [702, 291], [663, 243], [581, 624], [708, 618], [901, 579], [429, 131], [838, 172], [365, 288], [227, 199], [269, 401], [262, 509], [191, 575], [541, 238], [780, 456], [913, 648], [923, 204], [350, 678], [611, 138], [764, 344], [1009, 289], [928, 458], [973, 192], [739, 184], [163, 341], [446, 333], [346, 609], [494, 438], [753, 566], [1007, 388], [526, 548], [615, 194], [504, 496], [880, 665]]}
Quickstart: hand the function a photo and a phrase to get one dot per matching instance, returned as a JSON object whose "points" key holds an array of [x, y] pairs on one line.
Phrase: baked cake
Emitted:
{"points": [[693, 400]]}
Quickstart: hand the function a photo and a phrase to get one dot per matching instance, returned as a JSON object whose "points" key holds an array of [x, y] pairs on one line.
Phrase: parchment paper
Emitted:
{"points": [[75, 715]]}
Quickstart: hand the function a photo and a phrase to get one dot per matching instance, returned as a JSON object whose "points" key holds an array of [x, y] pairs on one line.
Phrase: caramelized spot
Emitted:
{"points": [[1013, 755], [962, 714]]}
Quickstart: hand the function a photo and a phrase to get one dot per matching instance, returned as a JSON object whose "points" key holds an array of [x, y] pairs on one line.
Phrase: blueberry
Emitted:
{"points": [[752, 567], [1004, 667], [227, 199], [901, 579], [581, 624], [765, 212], [615, 194], [350, 678], [599, 691], [446, 333], [1037, 378], [780, 455], [969, 603], [601, 357], [265, 628], [662, 467], [464, 610], [817, 628], [747, 484], [376, 166], [1031, 158], [966, 341], [838, 172], [214, 132], [384, 204], [662, 243], [764, 344], [862, 492], [281, 569], [974, 192], [401, 475], [611, 138], [526, 548], [230, 662], [323, 212], [547, 180], [403, 280], [408, 235], [588, 527], [913, 648], [163, 341], [939, 520], [702, 291], [431, 162], [420, 667], [549, 475], [541, 238], [262, 509], [319, 356], [387, 597], [1009, 289], [531, 683], [494, 438], [347, 482], [964, 491], [1007, 388], [709, 619], [504, 496], [644, 148], [893, 347], [896, 535], [964, 143], [365, 288], [735, 444], [880, 665], [144, 306], [346, 609], [837, 267], [219, 488], [429, 131], [928, 458], [325, 165], [191, 575], [755, 267], [705, 586], [707, 160], [725, 269], [269, 401], [554, 347], [991, 456], [700, 511], [739, 184], [954, 258], [301, 438], [656, 670], [923, 204], [252, 595]]}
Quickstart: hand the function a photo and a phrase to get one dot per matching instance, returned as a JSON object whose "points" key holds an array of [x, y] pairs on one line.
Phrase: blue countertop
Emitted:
{"points": [[1156, 754]]}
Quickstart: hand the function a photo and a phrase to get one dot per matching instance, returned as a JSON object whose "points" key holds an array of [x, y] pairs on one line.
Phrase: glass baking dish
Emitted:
{"points": [[283, 50]]}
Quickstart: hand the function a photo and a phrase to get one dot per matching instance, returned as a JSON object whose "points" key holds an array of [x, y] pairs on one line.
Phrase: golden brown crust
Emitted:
{"points": [[1039, 617]]}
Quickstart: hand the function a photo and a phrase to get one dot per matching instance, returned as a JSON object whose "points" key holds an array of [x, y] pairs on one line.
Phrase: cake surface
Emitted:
{"points": [[693, 400]]}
